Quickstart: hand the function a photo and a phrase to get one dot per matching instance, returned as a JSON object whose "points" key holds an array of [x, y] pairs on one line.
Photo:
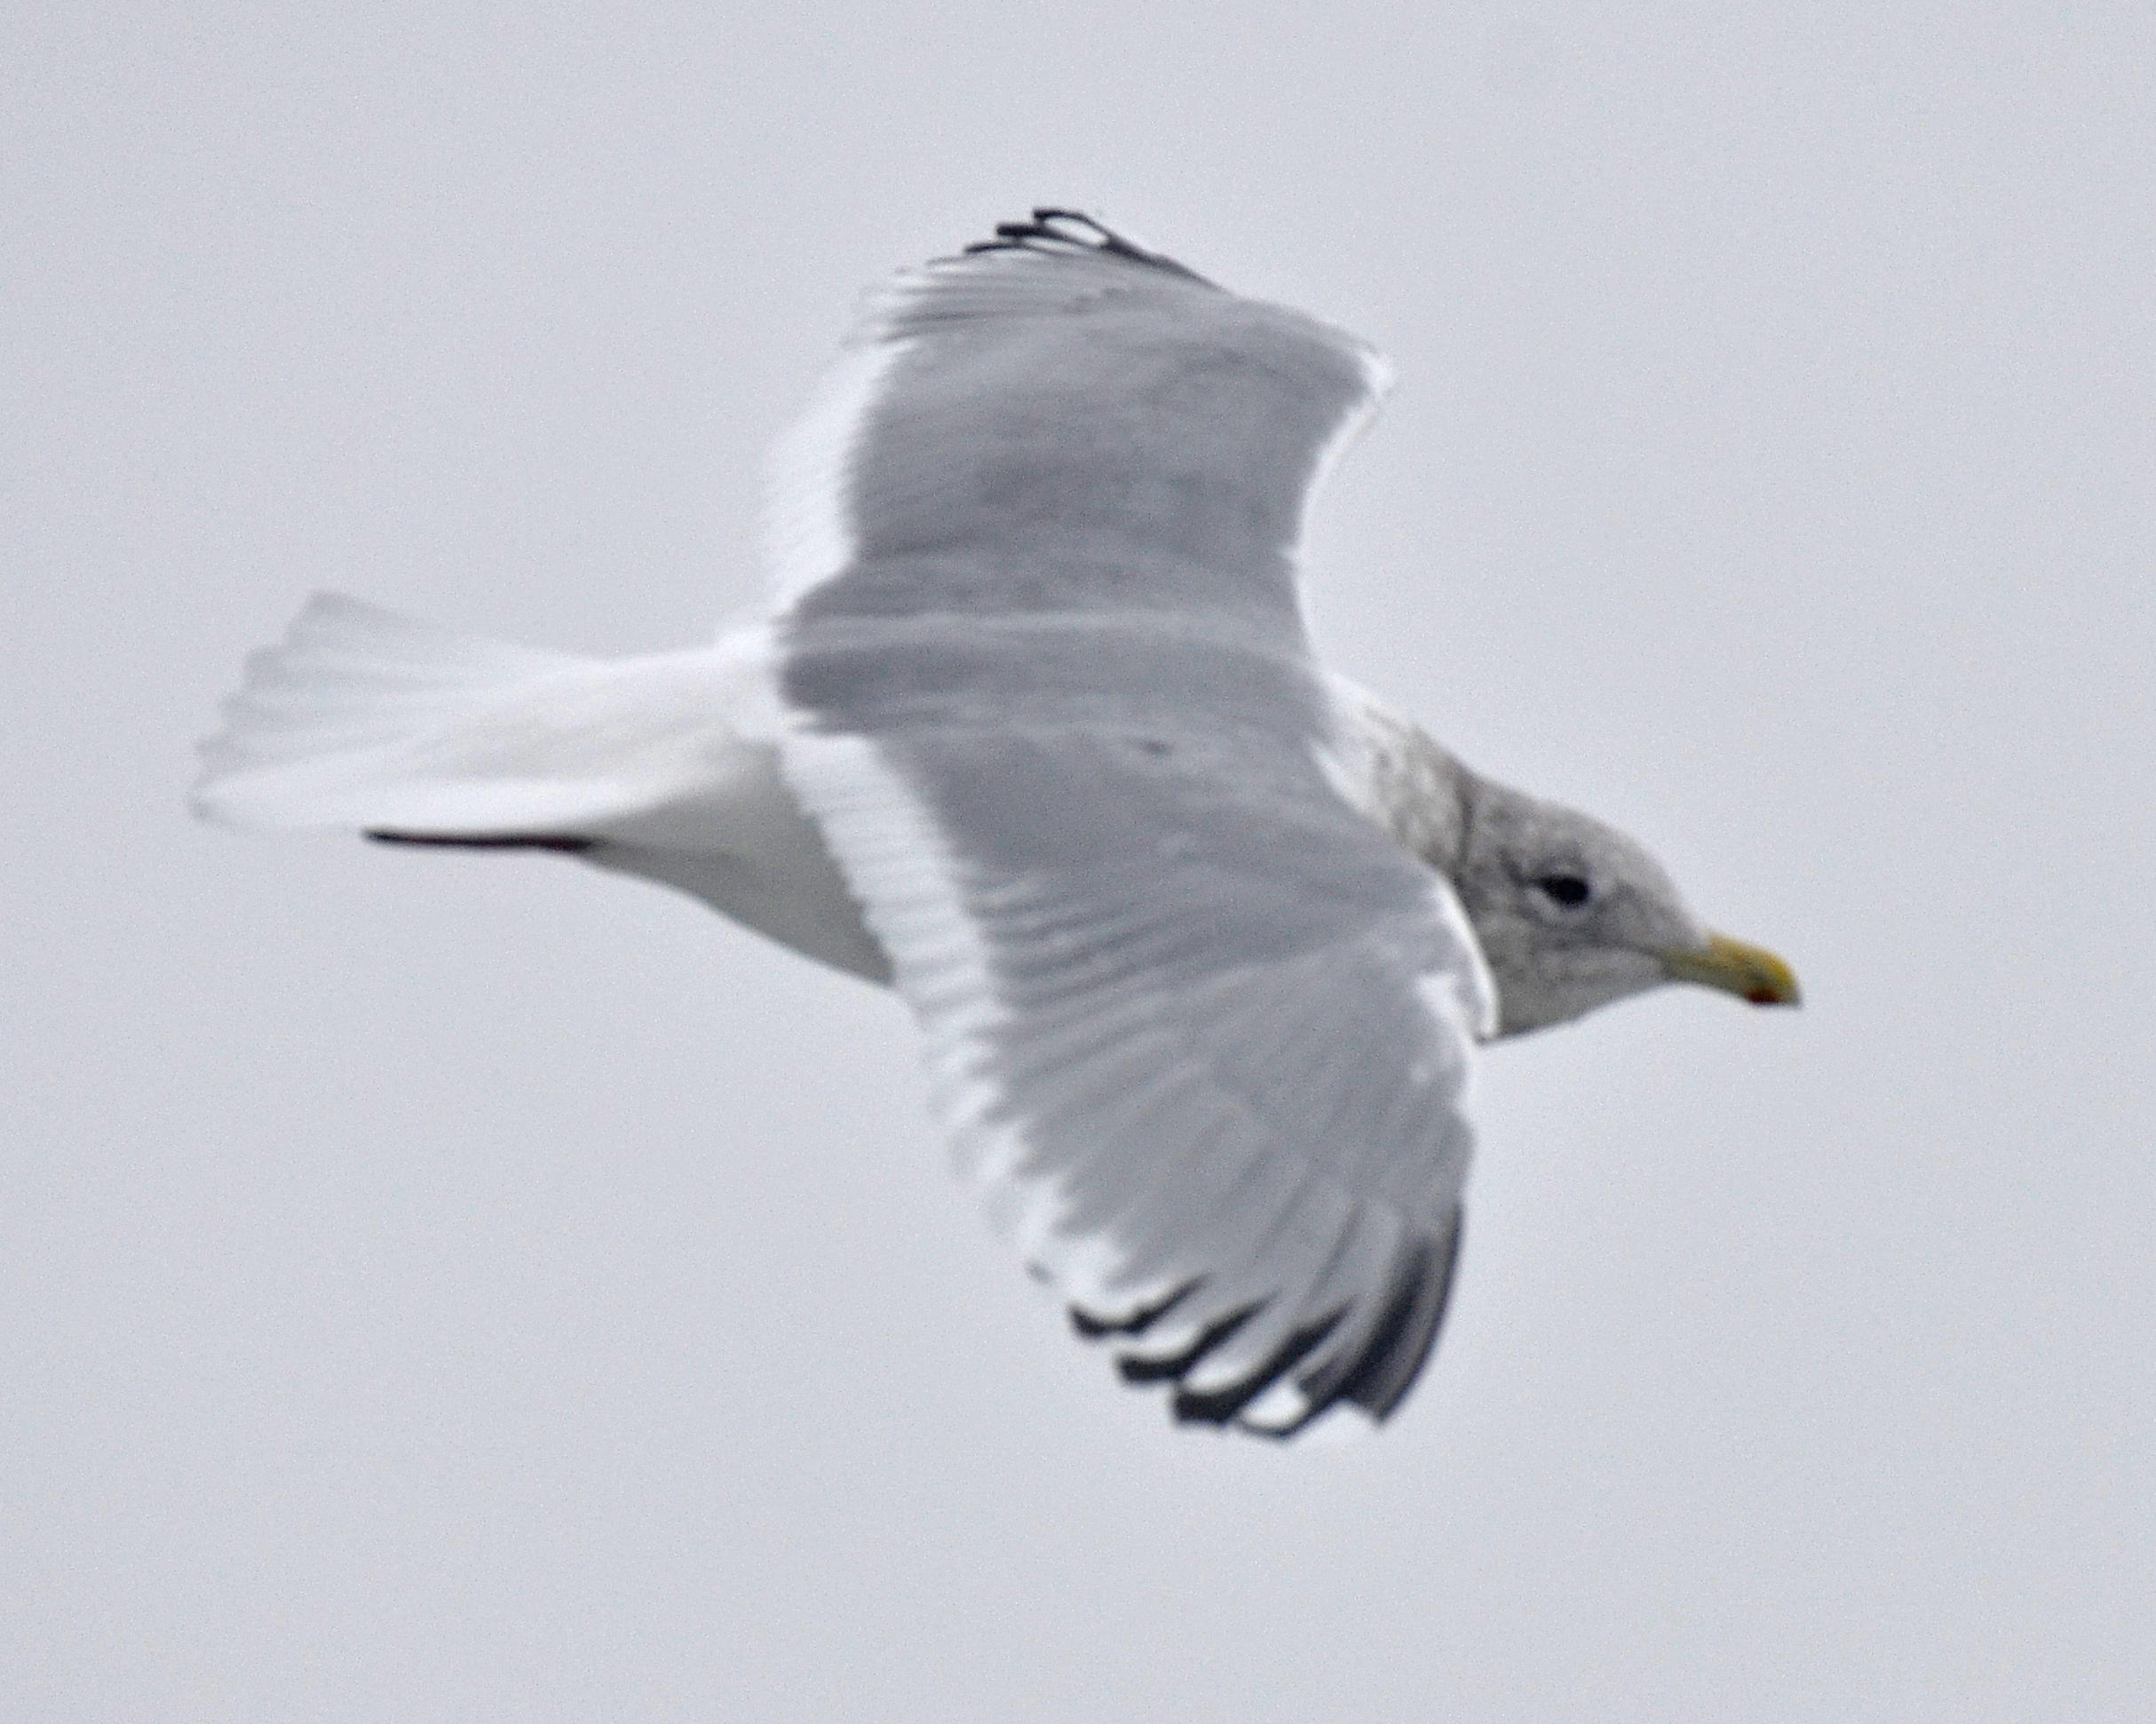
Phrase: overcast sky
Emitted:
{"points": [[476, 1288]]}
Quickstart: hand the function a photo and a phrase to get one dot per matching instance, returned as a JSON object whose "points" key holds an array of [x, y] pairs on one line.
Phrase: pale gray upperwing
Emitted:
{"points": [[1061, 423], [1199, 1028]]}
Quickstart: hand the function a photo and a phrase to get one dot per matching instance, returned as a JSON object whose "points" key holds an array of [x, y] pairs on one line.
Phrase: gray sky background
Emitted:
{"points": [[439, 1288]]}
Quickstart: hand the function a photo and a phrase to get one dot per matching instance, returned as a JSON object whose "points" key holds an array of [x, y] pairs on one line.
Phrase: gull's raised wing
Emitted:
{"points": [[1059, 422]]}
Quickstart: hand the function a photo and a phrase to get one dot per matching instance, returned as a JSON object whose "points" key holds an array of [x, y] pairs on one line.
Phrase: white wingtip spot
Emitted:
{"points": [[1280, 1408]]}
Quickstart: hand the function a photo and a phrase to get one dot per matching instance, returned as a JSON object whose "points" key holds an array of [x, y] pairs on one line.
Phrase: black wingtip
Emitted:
{"points": [[1376, 1377], [1092, 1325], [1217, 1406], [1373, 1372], [1136, 1368], [1056, 233], [1402, 1345]]}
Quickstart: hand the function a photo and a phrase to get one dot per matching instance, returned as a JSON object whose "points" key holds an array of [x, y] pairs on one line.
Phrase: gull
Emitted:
{"points": [[1201, 937]]}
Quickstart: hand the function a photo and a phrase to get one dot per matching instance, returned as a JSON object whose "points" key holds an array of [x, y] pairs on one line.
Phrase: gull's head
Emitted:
{"points": [[1571, 914]]}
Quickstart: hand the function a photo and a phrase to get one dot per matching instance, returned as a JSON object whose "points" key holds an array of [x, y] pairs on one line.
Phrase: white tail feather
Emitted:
{"points": [[363, 718]]}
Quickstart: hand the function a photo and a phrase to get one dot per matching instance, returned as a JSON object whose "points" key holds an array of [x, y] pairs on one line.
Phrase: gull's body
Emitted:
{"points": [[1201, 936]]}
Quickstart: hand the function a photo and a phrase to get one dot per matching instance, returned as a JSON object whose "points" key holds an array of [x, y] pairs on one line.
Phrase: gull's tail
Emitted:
{"points": [[360, 718], [663, 767]]}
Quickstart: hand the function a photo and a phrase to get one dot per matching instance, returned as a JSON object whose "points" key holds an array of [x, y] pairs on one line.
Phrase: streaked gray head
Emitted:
{"points": [[1573, 914], [1570, 914]]}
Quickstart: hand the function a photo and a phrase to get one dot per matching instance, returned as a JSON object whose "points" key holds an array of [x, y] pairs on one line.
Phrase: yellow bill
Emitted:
{"points": [[1750, 972]]}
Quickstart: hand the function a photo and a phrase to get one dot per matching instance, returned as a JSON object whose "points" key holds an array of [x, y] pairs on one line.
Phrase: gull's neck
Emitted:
{"points": [[1392, 770]]}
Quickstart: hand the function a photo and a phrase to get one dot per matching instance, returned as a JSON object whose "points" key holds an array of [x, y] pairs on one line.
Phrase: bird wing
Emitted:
{"points": [[1200, 1030]]}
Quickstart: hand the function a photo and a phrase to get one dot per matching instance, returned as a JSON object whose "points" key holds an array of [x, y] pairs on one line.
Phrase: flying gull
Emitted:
{"points": [[1201, 936]]}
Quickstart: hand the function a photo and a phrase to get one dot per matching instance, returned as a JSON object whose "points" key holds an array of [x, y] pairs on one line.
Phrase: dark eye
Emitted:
{"points": [[1565, 889]]}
